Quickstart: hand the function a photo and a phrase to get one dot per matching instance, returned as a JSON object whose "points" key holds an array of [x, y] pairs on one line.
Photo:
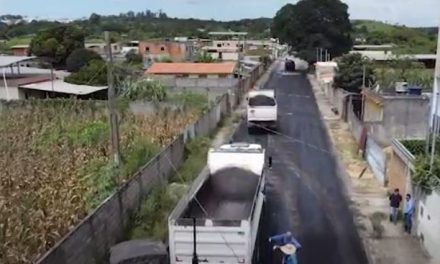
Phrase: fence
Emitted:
{"points": [[90, 240]]}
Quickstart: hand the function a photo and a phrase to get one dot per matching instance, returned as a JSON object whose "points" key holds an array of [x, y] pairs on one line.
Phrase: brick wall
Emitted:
{"points": [[174, 50]]}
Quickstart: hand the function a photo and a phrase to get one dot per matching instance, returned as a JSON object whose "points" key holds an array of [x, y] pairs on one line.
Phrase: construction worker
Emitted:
{"points": [[288, 245]]}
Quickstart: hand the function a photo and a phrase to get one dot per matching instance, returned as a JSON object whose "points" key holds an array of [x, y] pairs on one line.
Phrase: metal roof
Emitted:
{"points": [[227, 33], [60, 86], [6, 61]]}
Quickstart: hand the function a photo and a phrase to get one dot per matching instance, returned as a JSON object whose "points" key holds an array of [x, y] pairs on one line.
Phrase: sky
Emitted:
{"points": [[406, 12]]}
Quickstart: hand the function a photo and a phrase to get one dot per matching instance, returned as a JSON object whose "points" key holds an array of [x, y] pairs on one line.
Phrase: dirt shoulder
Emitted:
{"points": [[384, 242]]}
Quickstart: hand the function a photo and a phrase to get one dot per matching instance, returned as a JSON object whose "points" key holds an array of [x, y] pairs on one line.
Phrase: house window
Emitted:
{"points": [[147, 49], [219, 45], [162, 48]]}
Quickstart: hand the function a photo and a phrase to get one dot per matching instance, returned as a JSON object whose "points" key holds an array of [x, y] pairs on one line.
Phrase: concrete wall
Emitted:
{"points": [[405, 118], [427, 224], [428, 216], [402, 117], [91, 239], [356, 126], [12, 93]]}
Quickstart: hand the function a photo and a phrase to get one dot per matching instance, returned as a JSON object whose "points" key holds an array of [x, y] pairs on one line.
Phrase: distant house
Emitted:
{"points": [[19, 82], [101, 48], [157, 50], [193, 70], [20, 50], [391, 115], [223, 53]]}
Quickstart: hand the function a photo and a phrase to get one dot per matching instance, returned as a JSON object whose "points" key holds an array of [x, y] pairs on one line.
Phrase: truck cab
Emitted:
{"points": [[262, 109]]}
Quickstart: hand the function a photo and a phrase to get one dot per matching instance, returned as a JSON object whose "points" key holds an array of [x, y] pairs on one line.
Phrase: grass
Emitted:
{"points": [[150, 222]]}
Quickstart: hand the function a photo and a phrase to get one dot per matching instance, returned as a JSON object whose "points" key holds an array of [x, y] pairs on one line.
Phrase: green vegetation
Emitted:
{"points": [[94, 73], [403, 69], [425, 177], [58, 152], [145, 25], [305, 29], [133, 57], [57, 43], [145, 89], [205, 57], [350, 72], [80, 58], [149, 222], [407, 40]]}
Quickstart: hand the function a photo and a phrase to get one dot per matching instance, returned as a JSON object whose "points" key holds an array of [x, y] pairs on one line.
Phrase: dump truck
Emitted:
{"points": [[218, 220]]}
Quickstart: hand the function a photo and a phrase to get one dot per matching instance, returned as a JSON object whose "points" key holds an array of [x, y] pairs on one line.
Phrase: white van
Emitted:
{"points": [[262, 109]]}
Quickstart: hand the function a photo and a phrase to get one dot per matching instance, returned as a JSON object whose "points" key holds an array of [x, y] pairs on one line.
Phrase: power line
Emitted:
{"points": [[293, 139]]}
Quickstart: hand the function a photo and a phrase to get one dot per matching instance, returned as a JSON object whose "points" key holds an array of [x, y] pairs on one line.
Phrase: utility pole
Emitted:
{"points": [[113, 116], [195, 258], [364, 76]]}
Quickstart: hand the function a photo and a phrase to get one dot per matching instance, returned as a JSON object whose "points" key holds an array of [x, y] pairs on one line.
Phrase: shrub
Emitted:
{"points": [[80, 58]]}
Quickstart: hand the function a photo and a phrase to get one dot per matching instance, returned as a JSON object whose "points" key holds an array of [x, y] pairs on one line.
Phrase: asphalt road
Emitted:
{"points": [[304, 192]]}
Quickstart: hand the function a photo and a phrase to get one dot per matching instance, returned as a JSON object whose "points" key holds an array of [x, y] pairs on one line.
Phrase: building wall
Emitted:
{"points": [[373, 111], [428, 215], [226, 56], [174, 50], [397, 174], [20, 51], [12, 93], [406, 118], [226, 43]]}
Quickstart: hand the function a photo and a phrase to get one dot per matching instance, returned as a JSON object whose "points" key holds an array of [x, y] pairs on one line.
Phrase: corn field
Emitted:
{"points": [[56, 167]]}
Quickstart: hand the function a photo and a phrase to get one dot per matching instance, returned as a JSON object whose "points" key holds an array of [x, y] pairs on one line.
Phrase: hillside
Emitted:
{"points": [[408, 40], [143, 25]]}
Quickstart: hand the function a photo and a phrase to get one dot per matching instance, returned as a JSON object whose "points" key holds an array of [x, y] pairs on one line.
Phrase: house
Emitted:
{"points": [[20, 82], [20, 50], [389, 115], [101, 48], [223, 53], [193, 70], [158, 50]]}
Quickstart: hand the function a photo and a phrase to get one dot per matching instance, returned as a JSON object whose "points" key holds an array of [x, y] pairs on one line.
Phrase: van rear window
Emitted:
{"points": [[261, 100]]}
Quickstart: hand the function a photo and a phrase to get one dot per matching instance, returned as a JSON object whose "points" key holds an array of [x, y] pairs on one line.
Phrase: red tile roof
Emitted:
{"points": [[192, 68]]}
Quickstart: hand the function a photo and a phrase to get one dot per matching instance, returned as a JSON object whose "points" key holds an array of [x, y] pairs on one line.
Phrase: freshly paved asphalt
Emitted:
{"points": [[304, 192]]}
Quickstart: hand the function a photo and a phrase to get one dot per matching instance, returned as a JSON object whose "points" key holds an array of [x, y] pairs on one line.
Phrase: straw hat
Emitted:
{"points": [[288, 249]]}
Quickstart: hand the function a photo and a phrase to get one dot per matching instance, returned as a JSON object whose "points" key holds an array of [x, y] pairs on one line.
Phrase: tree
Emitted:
{"points": [[350, 72], [205, 57], [95, 19], [312, 24], [95, 74], [80, 58], [57, 43], [133, 57]]}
